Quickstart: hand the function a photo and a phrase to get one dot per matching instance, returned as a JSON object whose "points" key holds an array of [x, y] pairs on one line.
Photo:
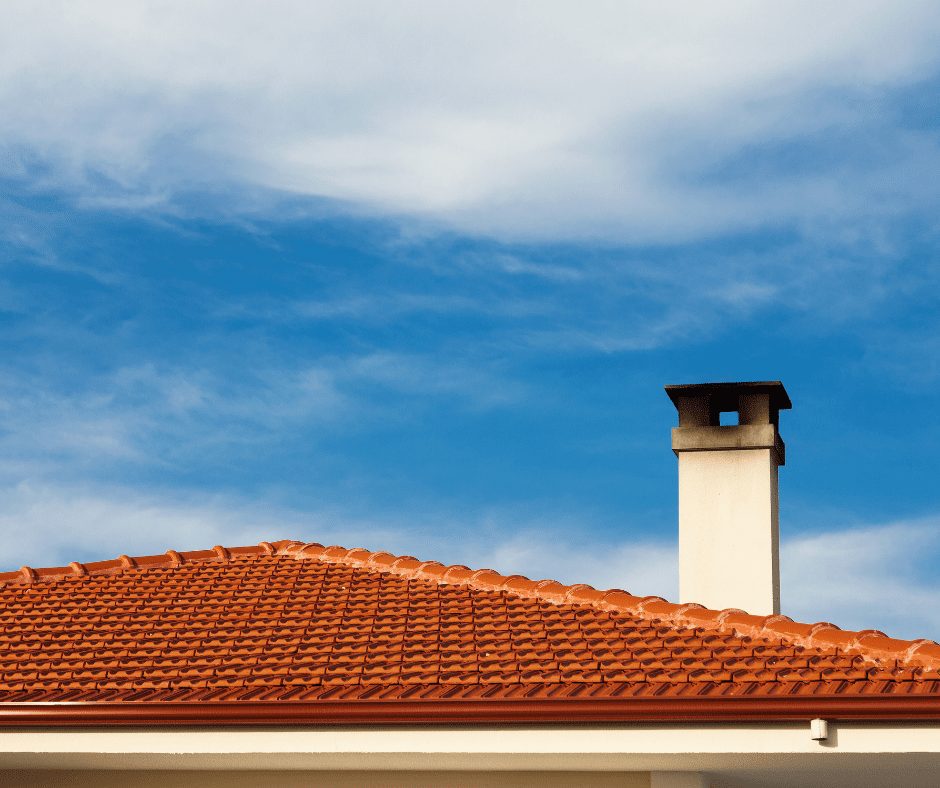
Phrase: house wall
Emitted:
{"points": [[94, 778], [729, 755]]}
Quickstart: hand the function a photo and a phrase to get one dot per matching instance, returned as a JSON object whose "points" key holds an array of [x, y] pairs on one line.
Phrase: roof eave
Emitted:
{"points": [[680, 710]]}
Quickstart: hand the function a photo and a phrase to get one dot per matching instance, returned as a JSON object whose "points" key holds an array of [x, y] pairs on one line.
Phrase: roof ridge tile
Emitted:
{"points": [[27, 575]]}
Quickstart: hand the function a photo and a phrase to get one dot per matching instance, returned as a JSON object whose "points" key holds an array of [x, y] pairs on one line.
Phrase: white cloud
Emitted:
{"points": [[521, 120], [880, 577], [646, 568], [479, 386], [44, 524]]}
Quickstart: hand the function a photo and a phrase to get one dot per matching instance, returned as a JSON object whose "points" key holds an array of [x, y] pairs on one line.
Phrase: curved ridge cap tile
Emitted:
{"points": [[922, 652], [286, 546], [127, 562], [745, 623], [550, 590], [784, 626], [827, 635], [880, 643], [381, 559], [488, 578], [701, 616], [692, 615], [618, 599], [822, 626], [222, 553], [307, 550], [519, 585], [28, 574], [175, 558], [78, 569], [266, 547], [866, 633], [456, 573], [359, 556], [430, 569], [405, 565], [584, 593], [651, 605], [726, 613]]}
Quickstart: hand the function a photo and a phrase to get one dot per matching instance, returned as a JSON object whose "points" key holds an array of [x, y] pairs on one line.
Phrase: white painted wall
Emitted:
{"points": [[732, 756], [728, 529]]}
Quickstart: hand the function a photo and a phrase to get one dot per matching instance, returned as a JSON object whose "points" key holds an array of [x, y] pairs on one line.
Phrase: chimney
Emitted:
{"points": [[728, 508]]}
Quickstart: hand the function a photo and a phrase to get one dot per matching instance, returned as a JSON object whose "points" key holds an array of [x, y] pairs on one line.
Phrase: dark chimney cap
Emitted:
{"points": [[724, 396]]}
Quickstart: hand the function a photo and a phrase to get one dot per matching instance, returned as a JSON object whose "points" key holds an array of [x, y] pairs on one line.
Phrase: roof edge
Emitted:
{"points": [[870, 643], [909, 708]]}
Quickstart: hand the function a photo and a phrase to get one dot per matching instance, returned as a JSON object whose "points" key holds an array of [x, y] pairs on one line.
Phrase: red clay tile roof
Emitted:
{"points": [[288, 621]]}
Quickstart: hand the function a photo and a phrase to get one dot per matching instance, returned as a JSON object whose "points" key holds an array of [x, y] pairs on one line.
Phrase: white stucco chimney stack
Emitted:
{"points": [[728, 508]]}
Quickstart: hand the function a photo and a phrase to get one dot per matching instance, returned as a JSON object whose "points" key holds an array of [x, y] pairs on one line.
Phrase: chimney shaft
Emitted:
{"points": [[728, 509]]}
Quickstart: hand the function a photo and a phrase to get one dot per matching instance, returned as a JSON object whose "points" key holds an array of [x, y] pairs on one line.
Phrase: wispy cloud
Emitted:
{"points": [[478, 386], [880, 576], [644, 567], [153, 413], [389, 308], [621, 123], [516, 265], [43, 524]]}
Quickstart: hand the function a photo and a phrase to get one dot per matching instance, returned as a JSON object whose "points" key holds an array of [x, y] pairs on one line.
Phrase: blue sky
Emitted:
{"points": [[415, 281]]}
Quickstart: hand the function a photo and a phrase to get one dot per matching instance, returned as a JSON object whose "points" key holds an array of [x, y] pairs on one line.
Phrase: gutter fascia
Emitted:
{"points": [[908, 708]]}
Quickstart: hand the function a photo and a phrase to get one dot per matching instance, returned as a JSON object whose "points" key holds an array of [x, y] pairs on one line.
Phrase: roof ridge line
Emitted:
{"points": [[28, 575], [871, 643]]}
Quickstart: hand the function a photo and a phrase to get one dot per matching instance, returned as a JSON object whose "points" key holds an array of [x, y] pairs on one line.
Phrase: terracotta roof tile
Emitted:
{"points": [[294, 621]]}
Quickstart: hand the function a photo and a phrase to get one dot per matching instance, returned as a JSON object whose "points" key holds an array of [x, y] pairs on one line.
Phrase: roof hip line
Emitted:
{"points": [[921, 653]]}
